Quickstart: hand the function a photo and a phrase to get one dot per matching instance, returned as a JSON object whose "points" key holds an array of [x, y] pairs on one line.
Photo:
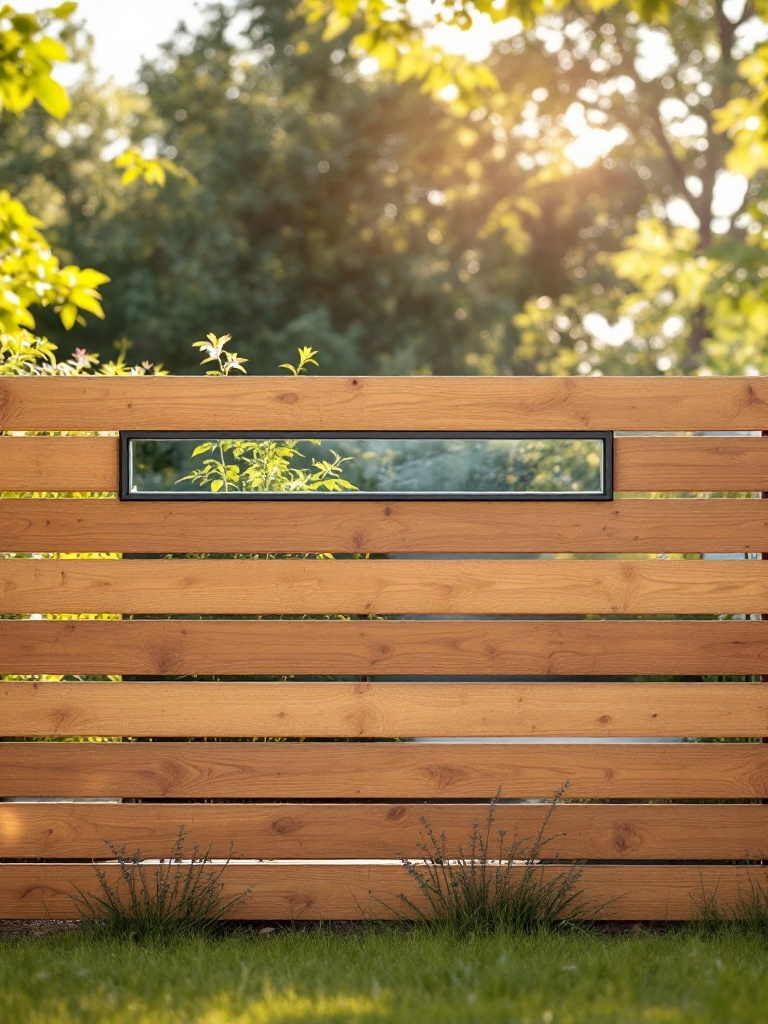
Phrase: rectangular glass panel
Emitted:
{"points": [[494, 466]]}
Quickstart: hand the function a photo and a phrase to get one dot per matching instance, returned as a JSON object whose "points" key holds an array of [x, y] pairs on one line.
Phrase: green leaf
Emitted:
{"points": [[51, 96], [154, 173], [90, 278], [27, 24], [131, 174], [64, 10], [68, 315], [52, 49], [86, 301], [336, 25]]}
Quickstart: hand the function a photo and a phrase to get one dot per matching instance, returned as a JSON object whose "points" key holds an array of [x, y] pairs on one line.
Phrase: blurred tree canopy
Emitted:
{"points": [[589, 197]]}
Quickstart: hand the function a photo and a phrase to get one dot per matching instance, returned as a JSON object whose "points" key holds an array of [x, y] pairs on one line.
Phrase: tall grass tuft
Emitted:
{"points": [[496, 886], [179, 896], [748, 912], [752, 905]]}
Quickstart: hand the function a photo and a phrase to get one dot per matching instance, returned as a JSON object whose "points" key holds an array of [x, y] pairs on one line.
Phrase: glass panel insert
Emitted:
{"points": [[532, 466]]}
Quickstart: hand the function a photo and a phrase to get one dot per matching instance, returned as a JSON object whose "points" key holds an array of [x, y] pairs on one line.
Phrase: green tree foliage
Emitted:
{"points": [[680, 292], [400, 231], [684, 290], [324, 214]]}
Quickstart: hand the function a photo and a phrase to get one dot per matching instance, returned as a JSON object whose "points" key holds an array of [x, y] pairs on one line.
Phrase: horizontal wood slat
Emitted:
{"points": [[324, 831], [384, 709], [691, 464], [384, 771], [384, 403], [640, 463], [310, 647], [628, 526], [59, 463], [355, 891], [383, 587]]}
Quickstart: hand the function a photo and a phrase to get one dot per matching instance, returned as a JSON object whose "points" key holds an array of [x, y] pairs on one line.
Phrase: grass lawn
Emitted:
{"points": [[388, 974]]}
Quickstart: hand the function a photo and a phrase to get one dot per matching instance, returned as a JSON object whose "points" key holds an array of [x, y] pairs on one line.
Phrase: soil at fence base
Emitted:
{"points": [[46, 928]]}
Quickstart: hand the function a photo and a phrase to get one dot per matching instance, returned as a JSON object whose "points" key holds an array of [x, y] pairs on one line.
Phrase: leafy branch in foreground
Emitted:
{"points": [[176, 897], [28, 57], [506, 889]]}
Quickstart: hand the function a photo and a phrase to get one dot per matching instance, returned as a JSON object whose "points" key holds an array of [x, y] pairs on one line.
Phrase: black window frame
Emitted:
{"points": [[128, 436]]}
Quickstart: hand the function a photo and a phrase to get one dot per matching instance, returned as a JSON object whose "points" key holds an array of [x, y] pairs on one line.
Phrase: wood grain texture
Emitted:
{"points": [[370, 710], [384, 403], [383, 587], [640, 463], [356, 891], [384, 771], [326, 831], [691, 464], [382, 648], [58, 463], [628, 526]]}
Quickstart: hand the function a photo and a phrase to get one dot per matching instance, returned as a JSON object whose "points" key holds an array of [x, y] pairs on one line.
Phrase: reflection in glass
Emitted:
{"points": [[355, 466]]}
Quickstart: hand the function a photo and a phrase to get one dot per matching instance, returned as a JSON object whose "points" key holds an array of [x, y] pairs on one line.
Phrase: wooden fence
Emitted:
{"points": [[317, 825]]}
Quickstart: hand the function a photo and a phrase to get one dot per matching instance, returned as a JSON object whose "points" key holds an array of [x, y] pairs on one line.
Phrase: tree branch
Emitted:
{"points": [[678, 171], [746, 14], [651, 110]]}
